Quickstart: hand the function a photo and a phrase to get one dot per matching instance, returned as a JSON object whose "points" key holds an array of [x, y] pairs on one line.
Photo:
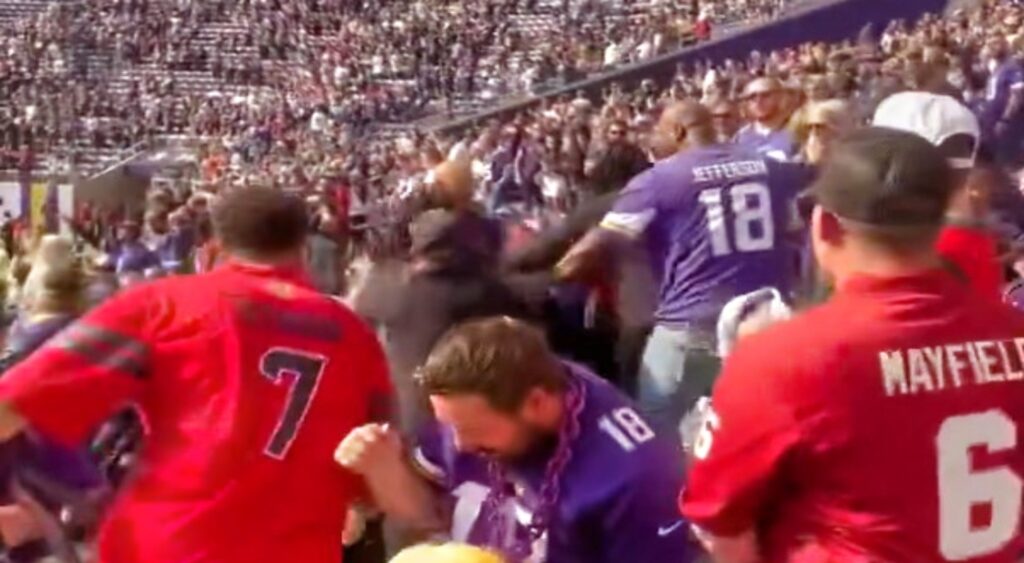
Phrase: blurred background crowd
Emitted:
{"points": [[339, 100], [82, 79]]}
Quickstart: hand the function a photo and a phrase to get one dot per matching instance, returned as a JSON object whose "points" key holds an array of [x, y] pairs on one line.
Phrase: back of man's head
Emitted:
{"points": [[890, 186], [260, 224], [683, 125]]}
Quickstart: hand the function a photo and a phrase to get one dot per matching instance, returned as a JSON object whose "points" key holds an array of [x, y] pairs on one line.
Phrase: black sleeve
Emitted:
{"points": [[548, 248], [488, 298]]}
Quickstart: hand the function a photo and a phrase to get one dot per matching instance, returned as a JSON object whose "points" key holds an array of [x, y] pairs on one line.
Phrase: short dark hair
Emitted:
{"points": [[499, 358], [619, 164], [895, 186], [260, 222]]}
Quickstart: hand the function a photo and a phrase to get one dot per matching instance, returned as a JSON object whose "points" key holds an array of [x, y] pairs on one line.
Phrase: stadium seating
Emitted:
{"points": [[224, 31]]}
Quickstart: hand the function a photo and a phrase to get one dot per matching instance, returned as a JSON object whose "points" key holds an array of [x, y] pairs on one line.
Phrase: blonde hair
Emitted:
{"points": [[448, 553], [55, 282], [453, 183]]}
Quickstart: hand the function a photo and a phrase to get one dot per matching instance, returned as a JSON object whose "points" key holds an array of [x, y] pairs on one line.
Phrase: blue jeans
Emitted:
{"points": [[678, 367]]}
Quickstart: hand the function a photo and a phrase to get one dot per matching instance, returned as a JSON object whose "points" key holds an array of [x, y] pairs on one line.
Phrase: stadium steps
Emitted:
{"points": [[201, 81], [13, 10]]}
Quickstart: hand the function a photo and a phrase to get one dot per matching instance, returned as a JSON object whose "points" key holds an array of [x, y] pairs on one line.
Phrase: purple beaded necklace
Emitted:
{"points": [[502, 489]]}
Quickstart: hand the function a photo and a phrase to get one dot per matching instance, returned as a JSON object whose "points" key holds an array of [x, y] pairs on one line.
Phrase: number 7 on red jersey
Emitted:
{"points": [[306, 370]]}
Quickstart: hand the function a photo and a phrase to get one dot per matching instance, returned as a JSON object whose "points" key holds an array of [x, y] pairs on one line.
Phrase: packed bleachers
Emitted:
{"points": [[648, 229], [147, 68]]}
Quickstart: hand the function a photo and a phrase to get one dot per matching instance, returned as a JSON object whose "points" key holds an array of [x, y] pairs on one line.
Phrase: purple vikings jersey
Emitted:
{"points": [[1006, 78], [777, 145], [617, 493], [717, 222]]}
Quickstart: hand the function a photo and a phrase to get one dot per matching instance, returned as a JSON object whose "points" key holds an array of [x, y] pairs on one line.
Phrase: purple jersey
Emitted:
{"points": [[135, 257], [776, 144], [718, 222], [1005, 79], [173, 248], [617, 494]]}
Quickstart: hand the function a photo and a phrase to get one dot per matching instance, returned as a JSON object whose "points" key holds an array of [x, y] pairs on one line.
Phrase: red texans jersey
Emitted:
{"points": [[883, 426], [247, 379]]}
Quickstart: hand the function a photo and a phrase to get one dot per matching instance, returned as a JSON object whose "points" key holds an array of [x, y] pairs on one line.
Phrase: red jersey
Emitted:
{"points": [[885, 425], [974, 252], [248, 379]]}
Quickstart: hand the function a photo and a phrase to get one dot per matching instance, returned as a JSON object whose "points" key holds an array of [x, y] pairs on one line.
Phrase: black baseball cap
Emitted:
{"points": [[886, 178]]}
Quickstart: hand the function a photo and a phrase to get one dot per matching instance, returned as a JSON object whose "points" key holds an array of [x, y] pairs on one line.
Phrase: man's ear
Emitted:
{"points": [[828, 227], [534, 402], [681, 134]]}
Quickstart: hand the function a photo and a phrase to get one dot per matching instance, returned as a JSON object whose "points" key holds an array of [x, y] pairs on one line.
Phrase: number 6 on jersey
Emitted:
{"points": [[961, 488]]}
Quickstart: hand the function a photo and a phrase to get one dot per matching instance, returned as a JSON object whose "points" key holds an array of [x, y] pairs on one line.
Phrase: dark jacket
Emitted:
{"points": [[544, 251], [416, 309]]}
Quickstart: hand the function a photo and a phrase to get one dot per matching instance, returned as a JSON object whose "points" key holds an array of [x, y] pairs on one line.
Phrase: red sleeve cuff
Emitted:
{"points": [[40, 417]]}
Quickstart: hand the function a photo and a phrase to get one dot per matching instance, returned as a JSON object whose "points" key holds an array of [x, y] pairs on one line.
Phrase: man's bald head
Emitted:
{"points": [[682, 125]]}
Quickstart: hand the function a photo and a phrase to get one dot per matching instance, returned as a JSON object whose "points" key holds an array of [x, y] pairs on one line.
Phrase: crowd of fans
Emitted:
{"points": [[112, 74], [420, 231]]}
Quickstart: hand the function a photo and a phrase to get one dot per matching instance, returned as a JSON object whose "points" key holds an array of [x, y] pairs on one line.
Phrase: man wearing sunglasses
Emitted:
{"points": [[767, 133], [883, 425]]}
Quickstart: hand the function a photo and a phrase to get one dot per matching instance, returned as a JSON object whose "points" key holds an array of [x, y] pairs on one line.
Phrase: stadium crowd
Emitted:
{"points": [[116, 73], [454, 246]]}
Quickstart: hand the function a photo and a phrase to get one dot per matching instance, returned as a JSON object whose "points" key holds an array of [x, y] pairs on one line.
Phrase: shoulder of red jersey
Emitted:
{"points": [[348, 316], [812, 340], [811, 327]]}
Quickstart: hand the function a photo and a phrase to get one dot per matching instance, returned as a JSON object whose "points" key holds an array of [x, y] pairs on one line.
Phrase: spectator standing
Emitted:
{"points": [[827, 122], [726, 119], [1003, 109], [714, 219], [52, 300], [447, 281], [324, 257], [514, 168], [246, 376], [968, 241], [130, 255], [766, 133], [881, 201]]}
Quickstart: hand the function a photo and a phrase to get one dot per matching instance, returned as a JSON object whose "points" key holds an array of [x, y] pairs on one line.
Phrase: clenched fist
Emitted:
{"points": [[368, 448]]}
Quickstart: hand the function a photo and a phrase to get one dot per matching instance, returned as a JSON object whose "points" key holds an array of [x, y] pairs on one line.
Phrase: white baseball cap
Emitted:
{"points": [[740, 308], [933, 116]]}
